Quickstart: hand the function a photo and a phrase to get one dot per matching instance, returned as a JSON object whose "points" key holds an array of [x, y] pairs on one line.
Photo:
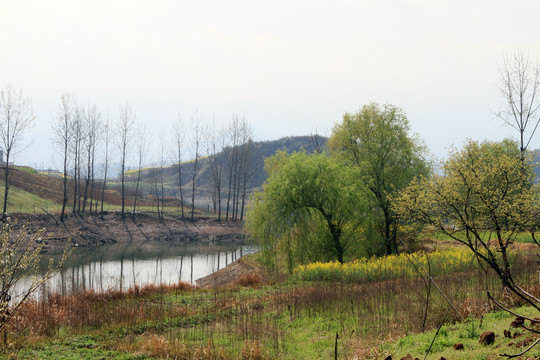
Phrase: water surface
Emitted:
{"points": [[121, 266]]}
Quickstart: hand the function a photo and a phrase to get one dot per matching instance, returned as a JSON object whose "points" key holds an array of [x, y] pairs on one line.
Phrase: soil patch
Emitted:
{"points": [[230, 274], [112, 228]]}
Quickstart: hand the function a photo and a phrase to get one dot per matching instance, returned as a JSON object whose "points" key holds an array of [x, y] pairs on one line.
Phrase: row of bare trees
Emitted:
{"points": [[225, 150], [230, 153], [78, 132], [82, 136]]}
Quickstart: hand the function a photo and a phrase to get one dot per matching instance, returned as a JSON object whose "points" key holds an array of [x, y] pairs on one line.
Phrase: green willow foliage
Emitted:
{"points": [[378, 141], [310, 209]]}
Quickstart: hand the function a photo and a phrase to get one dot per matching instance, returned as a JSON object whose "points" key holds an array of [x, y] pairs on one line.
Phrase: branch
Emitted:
{"points": [[523, 352], [530, 329], [525, 292], [510, 311]]}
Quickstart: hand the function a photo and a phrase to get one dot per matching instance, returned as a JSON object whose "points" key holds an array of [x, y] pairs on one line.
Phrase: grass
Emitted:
{"points": [[21, 201], [30, 191], [466, 333], [252, 320], [26, 169], [78, 347]]}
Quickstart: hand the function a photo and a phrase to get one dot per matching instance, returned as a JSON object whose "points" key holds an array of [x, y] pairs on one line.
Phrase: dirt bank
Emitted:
{"points": [[93, 231], [230, 274]]}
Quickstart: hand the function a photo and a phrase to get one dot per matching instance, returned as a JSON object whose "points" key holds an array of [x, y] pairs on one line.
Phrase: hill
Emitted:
{"points": [[256, 154], [31, 190]]}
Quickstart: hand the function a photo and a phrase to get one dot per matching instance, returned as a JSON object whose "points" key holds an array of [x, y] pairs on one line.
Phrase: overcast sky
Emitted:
{"points": [[291, 67]]}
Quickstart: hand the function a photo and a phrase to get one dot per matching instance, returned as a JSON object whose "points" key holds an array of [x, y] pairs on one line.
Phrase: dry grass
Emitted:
{"points": [[251, 279], [92, 309]]}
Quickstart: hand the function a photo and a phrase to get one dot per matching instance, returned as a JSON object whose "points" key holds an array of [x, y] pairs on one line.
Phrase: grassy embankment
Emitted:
{"points": [[30, 192], [297, 319]]}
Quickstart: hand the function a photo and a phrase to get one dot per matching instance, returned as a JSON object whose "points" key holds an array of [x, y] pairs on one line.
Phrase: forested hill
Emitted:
{"points": [[256, 153], [265, 149]]}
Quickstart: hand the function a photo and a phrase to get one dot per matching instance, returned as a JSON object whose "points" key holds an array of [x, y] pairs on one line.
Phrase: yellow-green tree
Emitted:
{"points": [[378, 141], [309, 209], [483, 199]]}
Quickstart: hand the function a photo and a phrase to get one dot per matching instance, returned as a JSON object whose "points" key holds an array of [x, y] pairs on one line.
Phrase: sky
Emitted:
{"points": [[289, 67]]}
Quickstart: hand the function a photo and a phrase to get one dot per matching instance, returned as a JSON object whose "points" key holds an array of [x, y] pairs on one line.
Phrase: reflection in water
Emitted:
{"points": [[122, 266]]}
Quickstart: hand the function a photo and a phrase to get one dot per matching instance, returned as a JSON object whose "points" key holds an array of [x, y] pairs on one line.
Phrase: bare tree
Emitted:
{"points": [[63, 134], [77, 128], [247, 166], [238, 160], [16, 118], [125, 124], [106, 140], [160, 179], [142, 149], [179, 135], [231, 160], [214, 148], [520, 87], [92, 120], [196, 134], [97, 129], [155, 180], [317, 141]]}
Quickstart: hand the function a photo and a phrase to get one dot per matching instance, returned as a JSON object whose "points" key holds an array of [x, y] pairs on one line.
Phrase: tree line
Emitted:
{"points": [[225, 148], [88, 143]]}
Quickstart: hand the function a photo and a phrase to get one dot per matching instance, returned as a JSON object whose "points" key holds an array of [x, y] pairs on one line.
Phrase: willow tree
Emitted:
{"points": [[309, 209], [378, 141], [483, 200]]}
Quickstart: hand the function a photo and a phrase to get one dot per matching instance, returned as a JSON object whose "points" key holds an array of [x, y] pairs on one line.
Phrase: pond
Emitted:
{"points": [[120, 266]]}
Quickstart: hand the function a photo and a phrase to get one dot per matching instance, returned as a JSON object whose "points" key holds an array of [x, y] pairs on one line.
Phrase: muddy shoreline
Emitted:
{"points": [[112, 228]]}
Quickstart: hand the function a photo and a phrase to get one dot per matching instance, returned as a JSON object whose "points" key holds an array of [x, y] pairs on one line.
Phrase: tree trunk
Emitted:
{"points": [[180, 187], [193, 188], [6, 187], [64, 200]]}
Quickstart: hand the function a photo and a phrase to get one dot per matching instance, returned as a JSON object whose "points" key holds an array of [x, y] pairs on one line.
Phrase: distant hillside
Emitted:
{"points": [[47, 185], [32, 189], [258, 152]]}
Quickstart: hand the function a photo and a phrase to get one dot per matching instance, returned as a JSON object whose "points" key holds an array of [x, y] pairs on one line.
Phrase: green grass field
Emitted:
{"points": [[20, 201]]}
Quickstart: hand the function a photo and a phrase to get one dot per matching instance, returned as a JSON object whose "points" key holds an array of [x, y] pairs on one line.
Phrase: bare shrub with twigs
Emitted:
{"points": [[20, 272]]}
